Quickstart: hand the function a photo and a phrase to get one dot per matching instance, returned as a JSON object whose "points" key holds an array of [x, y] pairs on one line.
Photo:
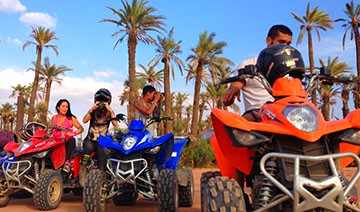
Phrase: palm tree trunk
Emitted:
{"points": [[311, 61], [195, 114], [201, 112], [47, 94], [345, 99], [326, 107], [169, 124], [35, 85], [20, 114], [132, 43], [357, 45]]}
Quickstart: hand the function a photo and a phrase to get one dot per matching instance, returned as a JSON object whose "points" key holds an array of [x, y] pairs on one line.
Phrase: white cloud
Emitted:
{"points": [[104, 74], [79, 91], [13, 41], [11, 6], [38, 19]]}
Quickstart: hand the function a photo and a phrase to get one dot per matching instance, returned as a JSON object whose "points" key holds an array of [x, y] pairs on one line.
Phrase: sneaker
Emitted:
{"points": [[82, 175], [67, 167]]}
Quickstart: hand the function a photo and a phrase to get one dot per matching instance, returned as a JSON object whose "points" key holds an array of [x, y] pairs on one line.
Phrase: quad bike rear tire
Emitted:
{"points": [[167, 191], [205, 177], [48, 191], [186, 193], [126, 199], [4, 201], [223, 194], [94, 191]]}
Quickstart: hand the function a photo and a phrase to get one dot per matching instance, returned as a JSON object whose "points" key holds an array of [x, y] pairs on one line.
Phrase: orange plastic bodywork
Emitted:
{"points": [[288, 86], [230, 157]]}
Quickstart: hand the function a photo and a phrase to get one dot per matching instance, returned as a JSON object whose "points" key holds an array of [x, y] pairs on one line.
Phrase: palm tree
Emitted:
{"points": [[345, 94], [42, 36], [154, 78], [22, 93], [167, 49], [49, 74], [352, 23], [135, 20], [205, 55], [204, 97], [41, 112], [125, 96], [188, 110], [180, 99], [314, 19], [7, 114], [329, 92]]}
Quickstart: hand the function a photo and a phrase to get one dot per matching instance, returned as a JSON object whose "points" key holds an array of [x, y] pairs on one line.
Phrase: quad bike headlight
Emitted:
{"points": [[304, 117], [154, 150], [351, 136], [129, 142], [24, 146], [245, 138]]}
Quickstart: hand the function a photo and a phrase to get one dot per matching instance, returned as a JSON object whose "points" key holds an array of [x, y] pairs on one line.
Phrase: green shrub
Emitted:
{"points": [[198, 154]]}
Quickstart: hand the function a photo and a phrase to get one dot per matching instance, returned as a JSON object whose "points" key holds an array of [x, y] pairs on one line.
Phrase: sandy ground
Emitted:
{"points": [[71, 203]]}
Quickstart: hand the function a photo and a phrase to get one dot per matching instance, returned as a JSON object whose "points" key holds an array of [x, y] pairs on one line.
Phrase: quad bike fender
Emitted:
{"points": [[238, 157], [11, 146], [225, 166], [354, 118], [76, 163], [179, 144], [58, 156], [346, 147], [167, 146]]}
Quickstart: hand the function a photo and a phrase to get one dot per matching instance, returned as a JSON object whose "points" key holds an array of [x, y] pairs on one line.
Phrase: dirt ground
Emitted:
{"points": [[71, 203]]}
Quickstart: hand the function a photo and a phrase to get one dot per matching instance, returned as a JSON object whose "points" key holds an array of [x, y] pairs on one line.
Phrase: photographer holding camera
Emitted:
{"points": [[98, 115], [146, 105]]}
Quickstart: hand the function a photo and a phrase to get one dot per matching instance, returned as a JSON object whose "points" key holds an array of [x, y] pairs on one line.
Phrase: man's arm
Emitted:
{"points": [[232, 92]]}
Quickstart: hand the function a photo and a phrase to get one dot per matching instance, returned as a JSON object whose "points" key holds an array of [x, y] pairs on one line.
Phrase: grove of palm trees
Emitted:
{"points": [[136, 22]]}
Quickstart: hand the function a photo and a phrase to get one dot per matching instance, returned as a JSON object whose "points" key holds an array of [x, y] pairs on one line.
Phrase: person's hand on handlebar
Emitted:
{"points": [[232, 92]]}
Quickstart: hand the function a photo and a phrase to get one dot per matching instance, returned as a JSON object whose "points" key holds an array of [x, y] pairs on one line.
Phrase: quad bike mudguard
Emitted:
{"points": [[225, 152], [179, 144]]}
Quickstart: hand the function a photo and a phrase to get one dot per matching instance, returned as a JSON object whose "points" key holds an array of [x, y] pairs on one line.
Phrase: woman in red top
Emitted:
{"points": [[64, 118]]}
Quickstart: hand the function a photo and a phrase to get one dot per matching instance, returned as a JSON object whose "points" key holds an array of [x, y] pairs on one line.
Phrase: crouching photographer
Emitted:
{"points": [[98, 115]]}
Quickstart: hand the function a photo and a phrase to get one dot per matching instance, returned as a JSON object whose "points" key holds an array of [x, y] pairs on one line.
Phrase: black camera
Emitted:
{"points": [[101, 107]]}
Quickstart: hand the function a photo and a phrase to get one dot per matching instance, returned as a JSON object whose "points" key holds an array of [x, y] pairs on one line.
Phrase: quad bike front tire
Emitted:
{"points": [[94, 191], [48, 191], [126, 199], [186, 192], [167, 191], [223, 194], [205, 177]]}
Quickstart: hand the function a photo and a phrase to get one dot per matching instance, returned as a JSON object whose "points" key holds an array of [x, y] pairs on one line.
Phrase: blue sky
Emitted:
{"points": [[86, 45]]}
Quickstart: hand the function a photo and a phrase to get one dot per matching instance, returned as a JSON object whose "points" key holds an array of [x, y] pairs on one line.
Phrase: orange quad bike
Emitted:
{"points": [[292, 160]]}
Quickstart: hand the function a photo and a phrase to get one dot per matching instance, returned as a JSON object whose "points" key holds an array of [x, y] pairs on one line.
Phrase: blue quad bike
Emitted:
{"points": [[140, 164]]}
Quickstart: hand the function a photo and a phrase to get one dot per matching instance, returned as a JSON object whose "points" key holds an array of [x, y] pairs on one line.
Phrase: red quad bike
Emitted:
{"points": [[35, 165], [291, 160]]}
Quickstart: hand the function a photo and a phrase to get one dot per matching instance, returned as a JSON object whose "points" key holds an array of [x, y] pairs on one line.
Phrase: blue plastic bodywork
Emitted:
{"points": [[6, 158], [169, 154], [176, 153]]}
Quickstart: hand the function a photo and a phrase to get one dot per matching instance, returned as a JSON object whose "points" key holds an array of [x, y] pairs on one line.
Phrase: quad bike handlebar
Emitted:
{"points": [[323, 76], [122, 117]]}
